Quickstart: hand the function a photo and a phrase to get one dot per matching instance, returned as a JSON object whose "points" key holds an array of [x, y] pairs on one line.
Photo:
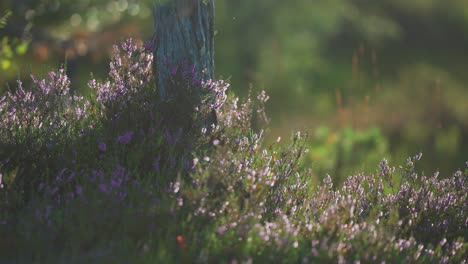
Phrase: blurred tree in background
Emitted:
{"points": [[10, 46], [397, 65], [79, 34]]}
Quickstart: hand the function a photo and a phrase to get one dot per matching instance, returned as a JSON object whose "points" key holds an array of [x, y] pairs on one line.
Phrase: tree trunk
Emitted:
{"points": [[183, 38]]}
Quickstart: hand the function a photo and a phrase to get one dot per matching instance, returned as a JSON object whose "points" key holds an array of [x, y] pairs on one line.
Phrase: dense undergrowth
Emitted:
{"points": [[119, 178]]}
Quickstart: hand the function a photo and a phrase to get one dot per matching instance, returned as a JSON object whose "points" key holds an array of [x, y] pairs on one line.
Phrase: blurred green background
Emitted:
{"points": [[367, 79]]}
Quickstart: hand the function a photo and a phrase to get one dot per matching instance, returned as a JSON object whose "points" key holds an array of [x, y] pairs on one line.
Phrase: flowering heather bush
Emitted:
{"points": [[121, 178], [47, 106], [264, 202], [36, 122], [130, 74]]}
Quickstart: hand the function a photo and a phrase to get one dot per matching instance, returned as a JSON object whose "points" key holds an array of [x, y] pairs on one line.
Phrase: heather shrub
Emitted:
{"points": [[37, 123], [262, 203], [125, 177]]}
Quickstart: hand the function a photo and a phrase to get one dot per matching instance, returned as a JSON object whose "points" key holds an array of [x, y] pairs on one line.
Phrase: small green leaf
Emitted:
{"points": [[4, 18]]}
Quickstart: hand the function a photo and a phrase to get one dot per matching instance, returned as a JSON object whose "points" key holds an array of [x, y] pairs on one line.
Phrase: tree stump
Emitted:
{"points": [[183, 49], [183, 40]]}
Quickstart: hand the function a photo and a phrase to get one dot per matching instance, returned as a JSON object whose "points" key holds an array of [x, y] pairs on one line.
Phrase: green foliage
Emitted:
{"points": [[10, 48], [388, 51], [346, 151], [432, 113], [4, 18]]}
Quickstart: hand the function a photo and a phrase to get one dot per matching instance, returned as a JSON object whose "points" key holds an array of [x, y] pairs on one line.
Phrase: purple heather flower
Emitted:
{"points": [[148, 45], [116, 182], [119, 175], [129, 46], [79, 190], [174, 70], [103, 188], [102, 147], [121, 195], [125, 138], [41, 186], [71, 176], [59, 83], [217, 91], [385, 169], [54, 191], [92, 84]]}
